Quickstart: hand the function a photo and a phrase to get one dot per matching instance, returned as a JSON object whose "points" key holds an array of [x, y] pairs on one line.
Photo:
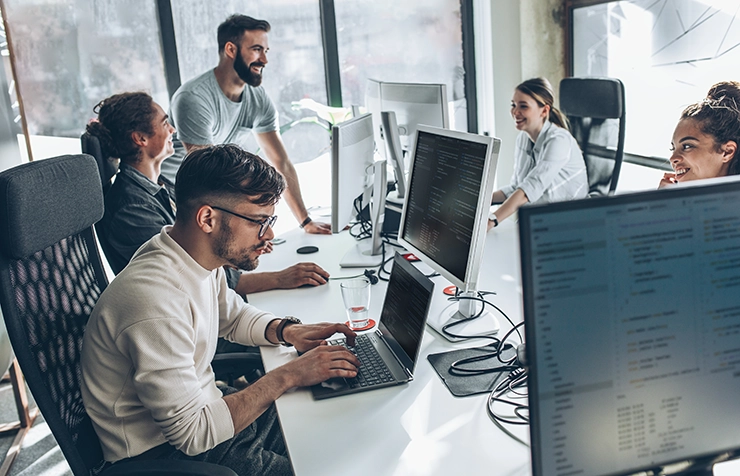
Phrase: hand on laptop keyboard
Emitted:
{"points": [[308, 336], [319, 364]]}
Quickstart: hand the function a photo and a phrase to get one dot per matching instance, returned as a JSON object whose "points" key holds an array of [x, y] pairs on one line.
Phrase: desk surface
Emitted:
{"points": [[417, 428]]}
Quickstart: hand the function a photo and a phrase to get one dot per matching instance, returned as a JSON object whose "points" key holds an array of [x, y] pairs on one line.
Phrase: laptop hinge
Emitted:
{"points": [[403, 366]]}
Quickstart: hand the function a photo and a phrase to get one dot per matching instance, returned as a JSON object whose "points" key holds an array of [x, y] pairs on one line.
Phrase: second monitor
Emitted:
{"points": [[398, 109], [445, 215]]}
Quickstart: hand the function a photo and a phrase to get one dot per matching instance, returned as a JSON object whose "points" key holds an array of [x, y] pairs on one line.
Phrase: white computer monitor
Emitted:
{"points": [[412, 104], [355, 177], [352, 159], [445, 214]]}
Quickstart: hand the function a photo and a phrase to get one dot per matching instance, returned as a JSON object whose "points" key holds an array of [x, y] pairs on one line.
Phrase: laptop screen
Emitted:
{"points": [[632, 312], [405, 308]]}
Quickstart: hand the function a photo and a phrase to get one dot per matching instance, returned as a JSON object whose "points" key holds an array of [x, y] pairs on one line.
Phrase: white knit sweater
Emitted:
{"points": [[147, 351]]}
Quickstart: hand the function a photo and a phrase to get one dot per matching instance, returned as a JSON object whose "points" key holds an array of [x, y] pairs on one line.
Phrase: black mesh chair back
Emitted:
{"points": [[596, 111], [50, 278], [107, 166]]}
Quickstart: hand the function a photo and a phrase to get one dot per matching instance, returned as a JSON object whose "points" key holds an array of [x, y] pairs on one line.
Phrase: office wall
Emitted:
{"points": [[527, 39], [542, 24], [507, 73]]}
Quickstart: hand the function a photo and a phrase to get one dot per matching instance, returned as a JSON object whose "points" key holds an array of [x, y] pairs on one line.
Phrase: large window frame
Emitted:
{"points": [[331, 54], [660, 163]]}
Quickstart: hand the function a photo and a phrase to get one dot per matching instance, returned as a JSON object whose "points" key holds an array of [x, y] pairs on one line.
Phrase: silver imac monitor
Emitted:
{"points": [[445, 214], [632, 320], [352, 158], [411, 104], [355, 177]]}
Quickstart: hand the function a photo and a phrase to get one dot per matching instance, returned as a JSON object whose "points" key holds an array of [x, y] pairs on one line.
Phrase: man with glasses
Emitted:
{"points": [[147, 382], [227, 103]]}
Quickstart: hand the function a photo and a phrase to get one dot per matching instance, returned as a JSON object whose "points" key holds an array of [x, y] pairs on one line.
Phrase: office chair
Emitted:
{"points": [[107, 166], [596, 110], [51, 276]]}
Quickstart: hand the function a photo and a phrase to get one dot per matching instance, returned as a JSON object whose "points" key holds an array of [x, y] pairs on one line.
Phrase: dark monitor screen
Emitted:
{"points": [[444, 187], [407, 301], [632, 312]]}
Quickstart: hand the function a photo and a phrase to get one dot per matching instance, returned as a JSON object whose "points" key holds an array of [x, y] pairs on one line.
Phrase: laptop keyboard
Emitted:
{"points": [[373, 370]]}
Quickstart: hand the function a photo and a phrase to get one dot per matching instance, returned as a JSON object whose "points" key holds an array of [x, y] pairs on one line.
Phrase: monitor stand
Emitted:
{"points": [[369, 253], [485, 324]]}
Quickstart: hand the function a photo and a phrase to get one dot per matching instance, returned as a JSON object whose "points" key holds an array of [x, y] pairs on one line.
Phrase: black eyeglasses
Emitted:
{"points": [[269, 221]]}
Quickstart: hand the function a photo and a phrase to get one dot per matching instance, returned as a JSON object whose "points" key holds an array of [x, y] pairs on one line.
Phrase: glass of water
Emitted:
{"points": [[356, 296]]}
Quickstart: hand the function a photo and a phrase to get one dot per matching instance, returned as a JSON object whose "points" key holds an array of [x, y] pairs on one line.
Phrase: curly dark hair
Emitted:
{"points": [[225, 172], [718, 116], [118, 117]]}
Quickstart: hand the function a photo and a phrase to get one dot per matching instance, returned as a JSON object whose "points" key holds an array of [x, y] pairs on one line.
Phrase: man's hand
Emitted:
{"points": [[668, 179], [301, 274], [319, 364], [317, 228], [307, 336], [268, 246]]}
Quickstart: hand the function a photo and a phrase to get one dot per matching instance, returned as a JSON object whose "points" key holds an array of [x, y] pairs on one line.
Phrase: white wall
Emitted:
{"points": [[515, 40], [505, 64]]}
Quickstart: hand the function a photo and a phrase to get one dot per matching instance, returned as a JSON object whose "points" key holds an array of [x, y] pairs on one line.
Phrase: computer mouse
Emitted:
{"points": [[305, 250]]}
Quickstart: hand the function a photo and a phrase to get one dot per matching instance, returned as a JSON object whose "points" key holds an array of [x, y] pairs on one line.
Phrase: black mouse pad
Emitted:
{"points": [[465, 385]]}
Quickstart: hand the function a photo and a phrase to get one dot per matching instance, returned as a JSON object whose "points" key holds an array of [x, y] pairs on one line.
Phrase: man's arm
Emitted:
{"points": [[272, 144], [318, 364], [290, 278]]}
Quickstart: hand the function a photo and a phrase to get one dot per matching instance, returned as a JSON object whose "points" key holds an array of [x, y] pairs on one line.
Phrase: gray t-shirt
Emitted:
{"points": [[203, 115]]}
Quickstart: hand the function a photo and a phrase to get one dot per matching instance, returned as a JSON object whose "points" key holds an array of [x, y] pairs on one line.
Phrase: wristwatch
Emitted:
{"points": [[286, 321], [305, 222], [493, 218]]}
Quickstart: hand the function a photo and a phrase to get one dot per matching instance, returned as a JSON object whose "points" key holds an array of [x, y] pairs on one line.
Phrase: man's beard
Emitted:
{"points": [[245, 72], [239, 259]]}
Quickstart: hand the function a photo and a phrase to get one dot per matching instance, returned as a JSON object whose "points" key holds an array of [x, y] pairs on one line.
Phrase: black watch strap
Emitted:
{"points": [[281, 327]]}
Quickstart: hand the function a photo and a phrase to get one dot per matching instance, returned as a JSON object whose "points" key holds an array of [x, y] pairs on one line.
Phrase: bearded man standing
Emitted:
{"points": [[227, 103]]}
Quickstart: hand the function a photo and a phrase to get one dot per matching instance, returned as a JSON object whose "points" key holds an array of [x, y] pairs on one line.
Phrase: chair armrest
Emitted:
{"points": [[166, 467], [231, 365]]}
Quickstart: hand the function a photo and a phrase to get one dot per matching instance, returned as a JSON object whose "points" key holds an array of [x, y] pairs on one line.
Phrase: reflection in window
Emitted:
{"points": [[296, 60], [397, 41], [667, 52], [70, 54]]}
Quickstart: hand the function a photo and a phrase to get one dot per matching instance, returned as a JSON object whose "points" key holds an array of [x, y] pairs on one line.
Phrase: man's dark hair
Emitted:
{"points": [[232, 28], [118, 117], [226, 173]]}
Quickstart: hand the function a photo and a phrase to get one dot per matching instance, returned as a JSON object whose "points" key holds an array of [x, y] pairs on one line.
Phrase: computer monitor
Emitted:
{"points": [[352, 159], [632, 317], [354, 174], [445, 214], [411, 104]]}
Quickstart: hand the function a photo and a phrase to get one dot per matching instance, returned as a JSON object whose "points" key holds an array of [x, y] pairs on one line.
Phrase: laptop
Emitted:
{"points": [[389, 354]]}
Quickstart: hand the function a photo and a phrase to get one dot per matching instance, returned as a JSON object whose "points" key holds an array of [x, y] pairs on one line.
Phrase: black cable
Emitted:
{"points": [[515, 379]]}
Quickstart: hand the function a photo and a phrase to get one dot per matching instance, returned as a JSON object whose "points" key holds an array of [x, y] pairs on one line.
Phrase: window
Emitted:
{"points": [[70, 54], [296, 62], [402, 42], [667, 52]]}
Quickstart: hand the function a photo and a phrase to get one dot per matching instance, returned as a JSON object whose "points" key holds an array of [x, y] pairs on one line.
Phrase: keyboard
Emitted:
{"points": [[373, 370]]}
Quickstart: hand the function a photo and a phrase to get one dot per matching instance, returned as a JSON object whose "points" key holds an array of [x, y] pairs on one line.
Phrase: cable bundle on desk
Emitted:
{"points": [[508, 392]]}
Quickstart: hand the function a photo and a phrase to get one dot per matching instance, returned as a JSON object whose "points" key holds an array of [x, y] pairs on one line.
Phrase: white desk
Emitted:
{"points": [[417, 428]]}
